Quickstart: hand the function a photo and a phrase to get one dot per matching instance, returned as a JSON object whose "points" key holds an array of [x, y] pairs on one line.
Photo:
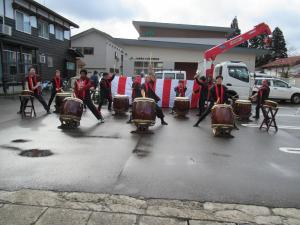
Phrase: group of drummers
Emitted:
{"points": [[210, 94]]}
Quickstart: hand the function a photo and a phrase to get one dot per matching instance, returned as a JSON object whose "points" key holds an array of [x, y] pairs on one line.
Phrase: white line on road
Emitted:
{"points": [[290, 150], [279, 126]]}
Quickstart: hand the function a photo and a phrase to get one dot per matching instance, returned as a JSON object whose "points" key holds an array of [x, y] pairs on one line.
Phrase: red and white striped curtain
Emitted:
{"points": [[164, 88]]}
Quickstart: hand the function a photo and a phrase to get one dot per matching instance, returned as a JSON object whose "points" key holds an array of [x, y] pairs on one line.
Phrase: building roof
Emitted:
{"points": [[138, 24], [290, 61], [38, 5], [164, 44], [91, 30]]}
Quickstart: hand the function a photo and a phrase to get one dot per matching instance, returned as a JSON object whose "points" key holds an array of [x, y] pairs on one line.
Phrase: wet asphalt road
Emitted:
{"points": [[178, 161]]}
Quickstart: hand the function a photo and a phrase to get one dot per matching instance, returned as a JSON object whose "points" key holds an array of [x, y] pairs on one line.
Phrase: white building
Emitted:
{"points": [[167, 46]]}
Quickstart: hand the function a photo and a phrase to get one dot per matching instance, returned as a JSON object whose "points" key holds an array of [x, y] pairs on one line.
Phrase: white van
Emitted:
{"points": [[171, 74], [236, 78]]}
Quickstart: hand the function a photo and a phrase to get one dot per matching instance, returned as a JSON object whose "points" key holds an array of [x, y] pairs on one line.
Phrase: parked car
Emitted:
{"points": [[279, 89], [171, 74]]}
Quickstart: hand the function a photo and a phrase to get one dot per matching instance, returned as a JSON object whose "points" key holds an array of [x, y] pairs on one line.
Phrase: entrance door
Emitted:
{"points": [[189, 67]]}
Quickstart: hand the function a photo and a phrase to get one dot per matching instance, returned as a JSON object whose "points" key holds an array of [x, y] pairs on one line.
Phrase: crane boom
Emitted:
{"points": [[211, 54]]}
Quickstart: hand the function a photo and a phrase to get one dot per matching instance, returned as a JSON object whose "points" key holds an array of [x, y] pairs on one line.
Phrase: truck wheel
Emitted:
{"points": [[295, 99]]}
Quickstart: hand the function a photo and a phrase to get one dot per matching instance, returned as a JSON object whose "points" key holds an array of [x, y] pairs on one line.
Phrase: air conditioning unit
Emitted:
{"points": [[42, 59], [5, 29]]}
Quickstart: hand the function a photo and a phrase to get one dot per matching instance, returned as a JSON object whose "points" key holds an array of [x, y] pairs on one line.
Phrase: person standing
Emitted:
{"points": [[218, 95], [82, 89], [56, 86], [149, 92], [34, 86], [136, 91], [95, 80], [105, 90], [203, 90], [262, 95], [180, 90]]}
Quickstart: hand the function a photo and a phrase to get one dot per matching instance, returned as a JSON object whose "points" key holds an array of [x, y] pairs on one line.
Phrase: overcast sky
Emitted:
{"points": [[115, 16]]}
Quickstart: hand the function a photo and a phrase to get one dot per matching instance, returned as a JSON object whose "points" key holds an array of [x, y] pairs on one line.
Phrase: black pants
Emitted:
{"points": [[257, 108], [159, 112], [89, 103], [201, 105], [205, 113], [51, 99], [40, 98], [102, 99]]}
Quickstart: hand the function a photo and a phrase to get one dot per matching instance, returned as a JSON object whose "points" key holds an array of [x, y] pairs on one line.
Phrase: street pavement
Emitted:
{"points": [[178, 161]]}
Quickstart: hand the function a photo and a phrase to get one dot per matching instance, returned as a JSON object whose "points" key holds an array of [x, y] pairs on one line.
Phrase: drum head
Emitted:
{"points": [[221, 106], [74, 99], [243, 101], [143, 100], [64, 94], [121, 96], [182, 99]]}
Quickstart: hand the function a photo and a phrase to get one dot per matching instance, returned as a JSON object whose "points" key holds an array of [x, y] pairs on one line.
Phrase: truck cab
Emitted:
{"points": [[236, 78]]}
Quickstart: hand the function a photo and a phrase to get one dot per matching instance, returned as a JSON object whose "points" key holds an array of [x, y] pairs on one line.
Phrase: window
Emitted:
{"points": [[51, 29], [43, 29], [70, 66], [80, 49], [42, 59], [259, 82], [59, 33], [67, 34], [169, 76], [50, 61], [27, 60], [239, 72], [23, 22], [88, 51], [279, 83]]}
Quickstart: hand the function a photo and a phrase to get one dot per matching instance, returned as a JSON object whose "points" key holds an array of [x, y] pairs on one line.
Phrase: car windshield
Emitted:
{"points": [[158, 75], [169, 76], [239, 72], [179, 76]]}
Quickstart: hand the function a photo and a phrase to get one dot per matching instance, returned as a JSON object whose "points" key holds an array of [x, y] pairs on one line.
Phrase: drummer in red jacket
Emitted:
{"points": [[82, 88], [136, 91], [180, 90], [149, 92], [218, 95]]}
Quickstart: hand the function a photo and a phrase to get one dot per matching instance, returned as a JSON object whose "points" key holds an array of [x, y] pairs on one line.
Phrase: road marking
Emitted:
{"points": [[284, 127], [290, 150]]}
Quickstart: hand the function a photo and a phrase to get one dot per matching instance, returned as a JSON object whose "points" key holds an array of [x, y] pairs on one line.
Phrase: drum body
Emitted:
{"points": [[222, 116], [242, 108], [59, 99], [181, 105], [143, 111], [27, 92], [271, 104], [72, 109], [121, 103]]}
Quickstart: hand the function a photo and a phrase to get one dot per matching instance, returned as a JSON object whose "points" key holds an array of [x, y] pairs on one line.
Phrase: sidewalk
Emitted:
{"points": [[35, 207]]}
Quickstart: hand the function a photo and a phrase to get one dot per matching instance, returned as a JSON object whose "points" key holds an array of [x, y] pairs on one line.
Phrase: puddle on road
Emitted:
{"points": [[11, 147], [140, 153], [221, 154], [36, 153], [20, 140]]}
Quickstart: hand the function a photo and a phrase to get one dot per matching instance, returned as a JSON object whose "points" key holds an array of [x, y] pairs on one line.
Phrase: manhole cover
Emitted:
{"points": [[20, 141], [36, 153]]}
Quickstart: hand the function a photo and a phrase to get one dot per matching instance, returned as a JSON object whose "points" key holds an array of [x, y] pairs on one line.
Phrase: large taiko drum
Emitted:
{"points": [[143, 112], [27, 93], [121, 103], [181, 105], [59, 99], [71, 112], [242, 108], [222, 118]]}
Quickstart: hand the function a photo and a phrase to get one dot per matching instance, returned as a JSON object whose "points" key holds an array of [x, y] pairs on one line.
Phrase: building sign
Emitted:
{"points": [[149, 33]]}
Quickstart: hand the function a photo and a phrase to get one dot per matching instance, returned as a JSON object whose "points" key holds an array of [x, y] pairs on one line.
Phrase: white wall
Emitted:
{"points": [[98, 60], [169, 56], [206, 41]]}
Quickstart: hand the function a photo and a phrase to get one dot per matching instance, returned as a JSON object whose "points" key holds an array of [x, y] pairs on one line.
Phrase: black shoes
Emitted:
{"points": [[164, 122]]}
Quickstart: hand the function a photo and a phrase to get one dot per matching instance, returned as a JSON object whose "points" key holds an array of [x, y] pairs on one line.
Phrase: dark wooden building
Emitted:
{"points": [[33, 35]]}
